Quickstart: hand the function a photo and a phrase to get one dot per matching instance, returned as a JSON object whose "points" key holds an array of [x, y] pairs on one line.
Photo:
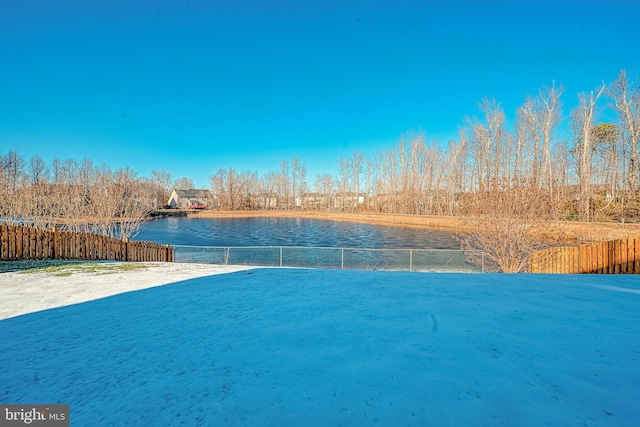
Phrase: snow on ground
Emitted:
{"points": [[320, 347], [28, 292]]}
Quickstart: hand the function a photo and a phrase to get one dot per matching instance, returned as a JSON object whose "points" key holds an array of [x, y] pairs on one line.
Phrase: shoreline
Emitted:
{"points": [[454, 224], [569, 232]]}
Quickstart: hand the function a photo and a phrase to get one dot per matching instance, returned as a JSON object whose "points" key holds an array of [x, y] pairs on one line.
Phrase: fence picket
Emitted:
{"points": [[601, 251], [36, 247]]}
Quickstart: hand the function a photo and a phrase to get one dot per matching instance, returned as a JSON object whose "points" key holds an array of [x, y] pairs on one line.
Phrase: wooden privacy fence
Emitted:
{"points": [[613, 257], [24, 242]]}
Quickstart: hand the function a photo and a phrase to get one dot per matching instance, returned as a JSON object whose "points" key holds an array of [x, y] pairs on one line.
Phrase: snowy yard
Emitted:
{"points": [[317, 347]]}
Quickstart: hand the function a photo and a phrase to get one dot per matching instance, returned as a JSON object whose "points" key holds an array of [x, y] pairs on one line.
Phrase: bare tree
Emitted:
{"points": [[538, 119], [452, 175], [237, 189], [3, 175], [344, 174], [232, 188], [18, 199], [356, 172], [605, 139], [561, 156], [136, 203], [161, 179], [549, 121], [583, 118], [284, 185], [183, 183], [486, 144], [303, 180], [67, 172], [626, 98], [369, 176], [218, 183], [298, 179], [13, 167], [120, 203], [253, 188], [38, 171], [268, 199], [86, 173], [387, 182], [507, 226], [325, 187], [74, 199], [529, 137]]}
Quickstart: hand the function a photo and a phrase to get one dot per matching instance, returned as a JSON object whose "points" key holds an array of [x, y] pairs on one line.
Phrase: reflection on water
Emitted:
{"points": [[291, 232]]}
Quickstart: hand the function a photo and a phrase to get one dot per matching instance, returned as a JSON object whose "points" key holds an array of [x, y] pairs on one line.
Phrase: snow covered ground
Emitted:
{"points": [[320, 347]]}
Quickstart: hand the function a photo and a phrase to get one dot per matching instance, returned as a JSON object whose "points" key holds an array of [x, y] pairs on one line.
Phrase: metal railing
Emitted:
{"points": [[425, 260]]}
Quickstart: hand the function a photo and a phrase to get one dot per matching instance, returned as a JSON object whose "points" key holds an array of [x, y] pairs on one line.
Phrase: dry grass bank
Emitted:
{"points": [[398, 220], [567, 231]]}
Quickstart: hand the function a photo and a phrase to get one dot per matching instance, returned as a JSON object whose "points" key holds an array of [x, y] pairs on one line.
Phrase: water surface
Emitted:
{"points": [[291, 232]]}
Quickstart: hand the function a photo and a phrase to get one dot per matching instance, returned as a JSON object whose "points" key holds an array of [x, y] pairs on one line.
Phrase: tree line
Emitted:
{"points": [[581, 166], [79, 196], [588, 168]]}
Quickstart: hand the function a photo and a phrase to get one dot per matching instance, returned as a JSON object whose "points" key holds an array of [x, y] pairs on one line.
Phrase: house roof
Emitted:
{"points": [[193, 193]]}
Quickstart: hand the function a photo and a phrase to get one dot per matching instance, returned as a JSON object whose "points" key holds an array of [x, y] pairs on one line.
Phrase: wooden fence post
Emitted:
{"points": [[4, 242], [19, 243], [630, 256], [636, 255], [623, 250]]}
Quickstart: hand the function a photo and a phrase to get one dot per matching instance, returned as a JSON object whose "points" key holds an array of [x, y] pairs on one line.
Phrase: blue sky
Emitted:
{"points": [[193, 86]]}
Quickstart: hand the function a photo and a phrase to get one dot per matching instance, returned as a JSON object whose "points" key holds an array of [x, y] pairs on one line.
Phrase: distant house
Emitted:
{"points": [[349, 200], [314, 201], [189, 199]]}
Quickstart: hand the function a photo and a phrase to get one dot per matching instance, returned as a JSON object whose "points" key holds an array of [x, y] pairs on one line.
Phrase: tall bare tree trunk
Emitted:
{"points": [[584, 116], [627, 102], [550, 119]]}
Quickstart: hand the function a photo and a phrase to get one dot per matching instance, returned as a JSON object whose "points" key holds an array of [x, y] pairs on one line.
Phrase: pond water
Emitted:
{"points": [[290, 232]]}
